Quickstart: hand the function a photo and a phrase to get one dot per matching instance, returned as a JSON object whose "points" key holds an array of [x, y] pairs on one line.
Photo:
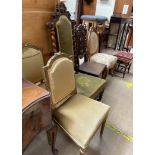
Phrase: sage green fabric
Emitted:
{"points": [[88, 85], [80, 117], [64, 34], [32, 63]]}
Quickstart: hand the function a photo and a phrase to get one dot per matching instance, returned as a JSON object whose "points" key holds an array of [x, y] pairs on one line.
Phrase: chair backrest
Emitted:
{"points": [[61, 27], [65, 36], [60, 10], [59, 77], [32, 63], [93, 42]]}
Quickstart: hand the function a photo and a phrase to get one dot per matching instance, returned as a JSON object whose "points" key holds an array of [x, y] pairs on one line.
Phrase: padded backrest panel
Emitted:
{"points": [[64, 35], [93, 43], [32, 63], [61, 79]]}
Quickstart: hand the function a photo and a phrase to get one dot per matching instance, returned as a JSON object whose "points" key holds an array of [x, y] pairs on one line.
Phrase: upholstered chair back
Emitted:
{"points": [[93, 42], [59, 75], [64, 36], [32, 63]]}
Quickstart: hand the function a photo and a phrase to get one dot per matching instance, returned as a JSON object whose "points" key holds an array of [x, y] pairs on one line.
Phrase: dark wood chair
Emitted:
{"points": [[80, 44], [61, 31]]}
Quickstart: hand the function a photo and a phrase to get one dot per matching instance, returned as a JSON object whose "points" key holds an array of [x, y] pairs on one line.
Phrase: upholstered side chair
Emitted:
{"points": [[84, 65], [79, 116], [32, 63], [62, 38], [95, 56]]}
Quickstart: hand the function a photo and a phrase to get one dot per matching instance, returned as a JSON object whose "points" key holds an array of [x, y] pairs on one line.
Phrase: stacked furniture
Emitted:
{"points": [[80, 44], [97, 22], [62, 38]]}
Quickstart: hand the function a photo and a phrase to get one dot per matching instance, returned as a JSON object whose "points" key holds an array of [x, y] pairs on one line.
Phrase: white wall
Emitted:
{"points": [[105, 8], [71, 6]]}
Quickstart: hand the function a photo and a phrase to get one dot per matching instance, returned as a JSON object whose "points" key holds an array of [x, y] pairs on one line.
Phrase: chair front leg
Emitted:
{"points": [[100, 96], [82, 151], [51, 135], [112, 71], [102, 126]]}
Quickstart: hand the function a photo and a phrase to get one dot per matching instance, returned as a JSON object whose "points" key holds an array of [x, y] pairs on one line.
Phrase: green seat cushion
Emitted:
{"points": [[88, 85], [80, 117]]}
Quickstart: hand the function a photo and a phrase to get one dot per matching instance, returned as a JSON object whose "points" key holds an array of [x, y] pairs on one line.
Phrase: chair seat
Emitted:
{"points": [[94, 18], [124, 55], [108, 60], [92, 68], [88, 85], [80, 117]]}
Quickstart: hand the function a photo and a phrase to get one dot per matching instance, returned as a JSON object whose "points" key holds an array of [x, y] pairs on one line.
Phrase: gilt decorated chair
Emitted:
{"points": [[95, 56], [32, 63], [79, 116], [62, 39]]}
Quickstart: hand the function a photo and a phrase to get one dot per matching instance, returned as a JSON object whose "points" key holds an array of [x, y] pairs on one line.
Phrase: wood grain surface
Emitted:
{"points": [[35, 15]]}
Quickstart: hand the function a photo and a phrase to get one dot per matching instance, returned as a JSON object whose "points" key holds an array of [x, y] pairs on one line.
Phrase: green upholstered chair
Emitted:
{"points": [[79, 116], [61, 29], [32, 63]]}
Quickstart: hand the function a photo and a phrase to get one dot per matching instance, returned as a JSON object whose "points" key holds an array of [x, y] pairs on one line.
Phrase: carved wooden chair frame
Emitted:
{"points": [[60, 10], [80, 42]]}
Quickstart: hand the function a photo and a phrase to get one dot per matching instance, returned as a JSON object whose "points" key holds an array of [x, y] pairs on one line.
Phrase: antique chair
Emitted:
{"points": [[79, 116], [80, 43], [32, 63], [62, 40], [95, 56], [97, 22], [124, 61]]}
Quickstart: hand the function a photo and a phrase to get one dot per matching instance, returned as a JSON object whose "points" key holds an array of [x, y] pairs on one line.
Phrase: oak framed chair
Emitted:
{"points": [[95, 56], [79, 116], [62, 39]]}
